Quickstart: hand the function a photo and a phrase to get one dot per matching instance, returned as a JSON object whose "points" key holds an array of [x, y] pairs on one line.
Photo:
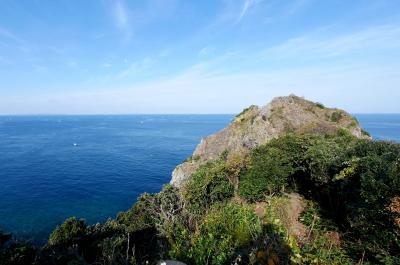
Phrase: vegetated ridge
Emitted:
{"points": [[256, 126]]}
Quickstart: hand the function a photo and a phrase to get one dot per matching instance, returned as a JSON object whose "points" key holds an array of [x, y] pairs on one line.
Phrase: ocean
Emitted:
{"points": [[92, 167]]}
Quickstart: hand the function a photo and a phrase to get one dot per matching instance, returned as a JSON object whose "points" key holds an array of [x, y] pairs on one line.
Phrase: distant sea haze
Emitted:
{"points": [[92, 167]]}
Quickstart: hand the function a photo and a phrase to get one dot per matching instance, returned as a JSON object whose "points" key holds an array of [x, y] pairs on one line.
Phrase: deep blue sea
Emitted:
{"points": [[92, 167]]}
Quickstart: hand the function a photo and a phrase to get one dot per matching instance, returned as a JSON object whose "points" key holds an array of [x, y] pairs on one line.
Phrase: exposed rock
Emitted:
{"points": [[258, 125]]}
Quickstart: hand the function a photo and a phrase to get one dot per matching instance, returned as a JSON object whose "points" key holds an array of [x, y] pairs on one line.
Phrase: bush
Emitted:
{"points": [[139, 217], [68, 233], [222, 232], [268, 173], [208, 185], [18, 254], [336, 116], [359, 180]]}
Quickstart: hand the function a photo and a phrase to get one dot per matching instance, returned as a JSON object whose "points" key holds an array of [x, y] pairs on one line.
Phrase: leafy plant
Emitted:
{"points": [[225, 229], [267, 173], [68, 233], [208, 185]]}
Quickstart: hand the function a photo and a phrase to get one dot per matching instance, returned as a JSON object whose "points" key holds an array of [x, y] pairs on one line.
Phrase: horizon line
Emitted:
{"points": [[149, 114]]}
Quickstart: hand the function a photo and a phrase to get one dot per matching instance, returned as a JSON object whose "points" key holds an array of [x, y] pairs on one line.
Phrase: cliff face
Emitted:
{"points": [[257, 125]]}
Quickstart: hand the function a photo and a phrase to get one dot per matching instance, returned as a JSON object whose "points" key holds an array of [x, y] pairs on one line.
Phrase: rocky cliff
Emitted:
{"points": [[257, 125]]}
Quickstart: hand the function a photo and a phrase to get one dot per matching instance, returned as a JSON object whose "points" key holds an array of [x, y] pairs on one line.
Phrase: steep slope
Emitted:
{"points": [[257, 125]]}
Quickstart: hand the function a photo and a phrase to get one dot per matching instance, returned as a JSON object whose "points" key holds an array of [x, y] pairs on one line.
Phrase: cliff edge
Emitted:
{"points": [[255, 126]]}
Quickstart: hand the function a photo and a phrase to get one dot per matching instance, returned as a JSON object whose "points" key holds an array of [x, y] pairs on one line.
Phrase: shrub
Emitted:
{"points": [[323, 244], [68, 233], [18, 253], [365, 180], [365, 133], [336, 116], [245, 110], [267, 173], [320, 157], [208, 185], [223, 231], [139, 216]]}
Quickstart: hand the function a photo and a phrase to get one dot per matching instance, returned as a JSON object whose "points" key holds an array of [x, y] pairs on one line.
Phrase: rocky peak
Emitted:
{"points": [[255, 126]]}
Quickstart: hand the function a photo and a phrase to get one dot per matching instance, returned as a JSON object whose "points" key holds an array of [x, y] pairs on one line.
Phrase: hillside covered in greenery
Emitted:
{"points": [[321, 197]]}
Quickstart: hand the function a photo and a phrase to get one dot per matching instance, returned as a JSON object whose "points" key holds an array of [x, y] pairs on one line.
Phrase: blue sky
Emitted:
{"points": [[181, 56]]}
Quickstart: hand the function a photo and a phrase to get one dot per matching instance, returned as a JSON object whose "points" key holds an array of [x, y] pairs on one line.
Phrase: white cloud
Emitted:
{"points": [[136, 68], [12, 40], [165, 52], [206, 51], [72, 64], [352, 87], [120, 14], [246, 7], [376, 38], [106, 65], [295, 6], [9, 35]]}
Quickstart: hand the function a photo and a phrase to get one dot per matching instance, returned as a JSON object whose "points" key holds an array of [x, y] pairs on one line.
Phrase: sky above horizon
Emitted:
{"points": [[180, 56]]}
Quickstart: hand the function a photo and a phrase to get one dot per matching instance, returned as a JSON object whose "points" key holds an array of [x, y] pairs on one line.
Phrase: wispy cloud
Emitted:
{"points": [[165, 52], [136, 68], [247, 4], [199, 90], [295, 6], [376, 39], [9, 35], [206, 51], [72, 64], [106, 65], [120, 14], [129, 18], [246, 7], [122, 18]]}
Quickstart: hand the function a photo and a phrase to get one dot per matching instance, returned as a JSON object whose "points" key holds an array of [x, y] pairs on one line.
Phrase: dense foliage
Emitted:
{"points": [[236, 209], [70, 232], [221, 234]]}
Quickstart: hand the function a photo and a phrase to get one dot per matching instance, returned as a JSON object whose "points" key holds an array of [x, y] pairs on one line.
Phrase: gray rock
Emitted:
{"points": [[258, 125]]}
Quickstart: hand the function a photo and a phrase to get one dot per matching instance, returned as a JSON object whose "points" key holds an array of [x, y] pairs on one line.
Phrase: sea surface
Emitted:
{"points": [[92, 167]]}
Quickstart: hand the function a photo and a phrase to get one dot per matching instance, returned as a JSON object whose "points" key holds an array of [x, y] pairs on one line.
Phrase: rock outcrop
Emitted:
{"points": [[255, 126]]}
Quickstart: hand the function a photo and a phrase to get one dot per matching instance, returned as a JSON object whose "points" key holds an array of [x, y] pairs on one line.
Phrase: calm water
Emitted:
{"points": [[45, 178]]}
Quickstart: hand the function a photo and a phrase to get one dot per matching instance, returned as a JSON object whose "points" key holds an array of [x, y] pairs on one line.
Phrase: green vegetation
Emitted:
{"points": [[210, 184], [336, 116], [221, 233], [364, 132], [192, 158], [299, 199], [245, 110], [267, 173], [70, 232], [14, 252]]}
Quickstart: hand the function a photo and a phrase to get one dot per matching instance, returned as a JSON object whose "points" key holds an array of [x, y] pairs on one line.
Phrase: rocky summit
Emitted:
{"points": [[255, 126]]}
